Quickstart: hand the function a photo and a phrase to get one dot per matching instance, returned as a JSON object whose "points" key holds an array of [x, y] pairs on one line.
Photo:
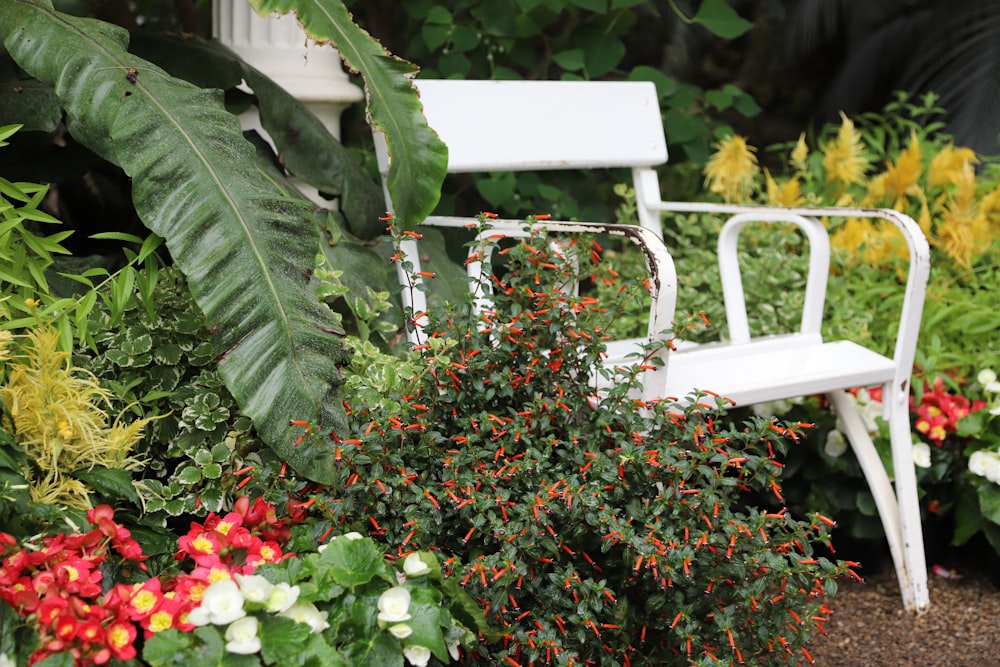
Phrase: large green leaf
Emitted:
{"points": [[419, 158], [244, 246], [306, 147]]}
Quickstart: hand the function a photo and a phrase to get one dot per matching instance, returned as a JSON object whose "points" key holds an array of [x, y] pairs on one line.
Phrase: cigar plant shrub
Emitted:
{"points": [[591, 527]]}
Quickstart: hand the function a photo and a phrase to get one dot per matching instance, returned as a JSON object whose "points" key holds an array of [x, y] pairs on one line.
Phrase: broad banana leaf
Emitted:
{"points": [[245, 247], [419, 158]]}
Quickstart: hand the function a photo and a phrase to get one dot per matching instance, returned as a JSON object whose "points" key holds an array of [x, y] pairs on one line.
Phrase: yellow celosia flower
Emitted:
{"points": [[844, 158], [902, 176], [787, 194], [59, 424], [876, 190], [799, 154], [731, 170], [964, 229], [873, 243], [990, 204], [5, 338], [924, 219], [946, 167]]}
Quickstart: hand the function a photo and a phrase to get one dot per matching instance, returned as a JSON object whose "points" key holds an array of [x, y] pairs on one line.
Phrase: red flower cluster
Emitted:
{"points": [[57, 586], [939, 411], [239, 542]]}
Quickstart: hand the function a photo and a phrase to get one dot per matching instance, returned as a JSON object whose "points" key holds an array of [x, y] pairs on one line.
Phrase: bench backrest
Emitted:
{"points": [[542, 125], [536, 126]]}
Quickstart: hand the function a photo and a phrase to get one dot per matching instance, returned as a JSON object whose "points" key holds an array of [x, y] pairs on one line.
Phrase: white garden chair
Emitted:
{"points": [[542, 125]]}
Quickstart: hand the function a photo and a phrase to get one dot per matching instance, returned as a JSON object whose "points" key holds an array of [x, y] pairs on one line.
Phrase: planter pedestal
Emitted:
{"points": [[279, 48]]}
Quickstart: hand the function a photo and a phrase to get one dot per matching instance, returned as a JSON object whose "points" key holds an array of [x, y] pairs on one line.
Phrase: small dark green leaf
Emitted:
{"points": [[721, 19], [110, 483], [571, 60], [989, 502]]}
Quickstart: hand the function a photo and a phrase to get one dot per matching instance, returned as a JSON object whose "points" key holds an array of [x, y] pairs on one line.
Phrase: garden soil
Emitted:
{"points": [[869, 628]]}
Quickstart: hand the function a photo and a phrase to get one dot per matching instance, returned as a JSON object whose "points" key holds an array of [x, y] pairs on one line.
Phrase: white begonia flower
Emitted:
{"points": [[353, 535], [836, 444], [992, 387], [282, 597], [418, 656], [400, 630], [255, 588], [393, 605], [413, 566], [306, 612], [241, 636], [223, 601], [6, 661], [921, 455], [986, 376], [985, 464], [196, 617], [771, 408], [869, 409], [453, 649]]}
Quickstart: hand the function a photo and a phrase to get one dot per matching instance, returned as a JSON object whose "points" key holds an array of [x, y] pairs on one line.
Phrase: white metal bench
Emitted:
{"points": [[534, 125]]}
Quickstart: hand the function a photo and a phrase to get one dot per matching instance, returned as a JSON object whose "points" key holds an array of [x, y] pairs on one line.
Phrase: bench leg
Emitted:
{"points": [[899, 509]]}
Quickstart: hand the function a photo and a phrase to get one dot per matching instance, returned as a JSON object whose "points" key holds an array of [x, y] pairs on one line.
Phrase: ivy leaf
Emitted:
{"points": [[721, 19]]}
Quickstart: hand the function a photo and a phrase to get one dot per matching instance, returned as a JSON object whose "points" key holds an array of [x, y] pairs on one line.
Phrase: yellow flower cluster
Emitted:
{"points": [[936, 184], [732, 169], [54, 412]]}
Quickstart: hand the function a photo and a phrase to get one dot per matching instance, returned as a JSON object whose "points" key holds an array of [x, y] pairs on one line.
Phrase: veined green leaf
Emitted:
{"points": [[419, 158], [244, 247], [721, 19]]}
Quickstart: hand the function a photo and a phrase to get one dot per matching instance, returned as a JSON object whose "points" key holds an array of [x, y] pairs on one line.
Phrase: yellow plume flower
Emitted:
{"points": [[5, 338], [876, 190], [59, 424], [787, 194], [843, 157], [964, 231], [874, 243], [990, 204], [946, 167], [902, 176], [800, 154], [731, 170]]}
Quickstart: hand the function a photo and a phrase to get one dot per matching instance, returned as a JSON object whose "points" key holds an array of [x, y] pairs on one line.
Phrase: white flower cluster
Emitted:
{"points": [[224, 603], [870, 410], [986, 464], [988, 380], [394, 611]]}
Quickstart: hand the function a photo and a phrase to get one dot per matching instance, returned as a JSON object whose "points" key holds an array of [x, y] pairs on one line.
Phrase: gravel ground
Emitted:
{"points": [[869, 628]]}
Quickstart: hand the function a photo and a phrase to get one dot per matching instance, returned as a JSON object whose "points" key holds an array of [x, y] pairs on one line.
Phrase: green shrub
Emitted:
{"points": [[612, 533]]}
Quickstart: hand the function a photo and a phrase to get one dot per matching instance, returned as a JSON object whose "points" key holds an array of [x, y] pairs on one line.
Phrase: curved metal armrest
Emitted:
{"points": [[663, 275]]}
